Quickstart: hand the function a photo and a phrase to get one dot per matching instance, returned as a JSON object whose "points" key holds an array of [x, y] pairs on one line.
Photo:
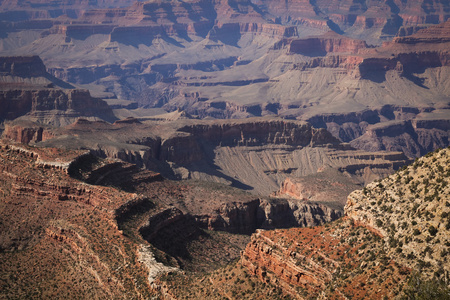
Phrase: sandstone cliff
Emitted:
{"points": [[28, 66], [53, 106], [252, 154], [413, 138]]}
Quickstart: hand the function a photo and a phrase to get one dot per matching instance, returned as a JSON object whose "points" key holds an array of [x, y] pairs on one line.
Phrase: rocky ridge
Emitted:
{"points": [[99, 230], [404, 219], [269, 150], [237, 60], [54, 228], [416, 201], [176, 42]]}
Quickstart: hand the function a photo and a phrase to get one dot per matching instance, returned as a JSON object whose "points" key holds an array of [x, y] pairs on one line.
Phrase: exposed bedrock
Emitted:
{"points": [[320, 46], [52, 106], [83, 75], [414, 138], [390, 128], [23, 66], [252, 154], [252, 133], [405, 62], [349, 13], [171, 230], [27, 133]]}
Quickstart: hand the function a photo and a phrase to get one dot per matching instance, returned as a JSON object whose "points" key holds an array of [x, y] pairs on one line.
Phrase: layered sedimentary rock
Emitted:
{"points": [[349, 16], [381, 233], [411, 137], [25, 66], [56, 227], [329, 43], [241, 59], [326, 186], [52, 106], [28, 91], [253, 154], [319, 261]]}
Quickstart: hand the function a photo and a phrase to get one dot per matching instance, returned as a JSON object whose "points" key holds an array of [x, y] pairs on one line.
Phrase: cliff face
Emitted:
{"points": [[29, 92], [224, 59], [176, 232], [403, 54], [319, 46], [64, 220], [261, 132], [26, 134], [52, 106], [414, 138], [382, 232], [324, 187], [24, 66], [253, 154], [347, 14]]}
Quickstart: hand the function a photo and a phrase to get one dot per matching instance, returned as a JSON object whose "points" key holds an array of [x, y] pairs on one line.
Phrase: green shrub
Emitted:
{"points": [[432, 230]]}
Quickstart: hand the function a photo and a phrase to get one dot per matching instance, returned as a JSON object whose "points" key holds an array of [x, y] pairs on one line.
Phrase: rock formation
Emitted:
{"points": [[396, 215], [253, 154], [102, 217], [243, 59], [51, 227], [327, 186], [29, 92], [408, 208], [65, 216]]}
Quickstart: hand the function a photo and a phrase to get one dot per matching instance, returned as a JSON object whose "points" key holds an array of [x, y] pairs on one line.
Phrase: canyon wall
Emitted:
{"points": [[52, 106], [395, 225]]}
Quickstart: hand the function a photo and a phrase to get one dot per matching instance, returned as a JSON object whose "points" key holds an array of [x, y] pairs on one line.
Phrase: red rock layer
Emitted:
{"points": [[328, 261]]}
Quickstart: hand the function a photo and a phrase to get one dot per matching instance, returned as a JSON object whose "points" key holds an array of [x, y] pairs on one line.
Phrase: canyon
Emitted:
{"points": [[399, 224], [69, 199], [252, 154], [393, 229], [72, 198], [224, 149], [345, 71]]}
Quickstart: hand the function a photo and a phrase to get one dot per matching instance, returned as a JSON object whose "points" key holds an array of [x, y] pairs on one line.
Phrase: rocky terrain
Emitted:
{"points": [[393, 243], [173, 149], [338, 65], [406, 216], [251, 154], [28, 92], [72, 213], [58, 236], [116, 228]]}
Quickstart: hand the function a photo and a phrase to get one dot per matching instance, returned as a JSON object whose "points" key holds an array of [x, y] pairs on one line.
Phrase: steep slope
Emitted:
{"points": [[393, 244], [410, 210], [241, 59], [372, 20], [58, 238], [251, 154], [393, 228], [28, 92], [212, 58], [61, 237]]}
